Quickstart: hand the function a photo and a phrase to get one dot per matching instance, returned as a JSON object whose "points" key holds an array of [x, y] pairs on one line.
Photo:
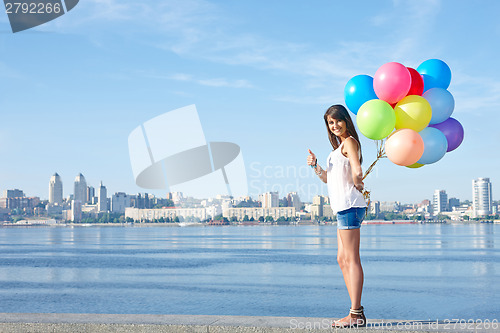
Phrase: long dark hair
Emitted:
{"points": [[339, 112]]}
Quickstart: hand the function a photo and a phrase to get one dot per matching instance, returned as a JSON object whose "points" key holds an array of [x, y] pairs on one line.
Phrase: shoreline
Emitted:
{"points": [[239, 224]]}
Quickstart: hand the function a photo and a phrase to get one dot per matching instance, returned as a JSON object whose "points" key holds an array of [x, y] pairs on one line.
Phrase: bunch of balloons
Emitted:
{"points": [[411, 108]]}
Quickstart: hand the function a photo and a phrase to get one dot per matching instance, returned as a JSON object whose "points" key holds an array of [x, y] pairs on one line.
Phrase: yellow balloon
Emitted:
{"points": [[413, 112], [415, 165]]}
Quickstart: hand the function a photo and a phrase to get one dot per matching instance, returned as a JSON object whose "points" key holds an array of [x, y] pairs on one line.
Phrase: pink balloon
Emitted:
{"points": [[404, 147], [392, 82]]}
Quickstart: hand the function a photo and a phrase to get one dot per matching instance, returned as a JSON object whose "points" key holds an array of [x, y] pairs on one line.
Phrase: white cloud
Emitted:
{"points": [[197, 29], [220, 82], [180, 77], [210, 82], [475, 94], [313, 100]]}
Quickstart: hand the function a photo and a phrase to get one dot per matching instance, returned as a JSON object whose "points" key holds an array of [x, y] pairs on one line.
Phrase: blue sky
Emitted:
{"points": [[261, 75]]}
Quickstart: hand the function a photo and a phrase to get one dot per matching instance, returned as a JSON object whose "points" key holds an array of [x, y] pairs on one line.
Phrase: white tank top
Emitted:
{"points": [[343, 194]]}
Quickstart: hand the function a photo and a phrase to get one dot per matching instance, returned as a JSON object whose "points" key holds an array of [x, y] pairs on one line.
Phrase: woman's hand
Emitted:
{"points": [[360, 187], [311, 159]]}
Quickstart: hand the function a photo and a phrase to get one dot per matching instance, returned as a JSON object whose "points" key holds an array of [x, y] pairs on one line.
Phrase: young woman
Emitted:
{"points": [[343, 176]]}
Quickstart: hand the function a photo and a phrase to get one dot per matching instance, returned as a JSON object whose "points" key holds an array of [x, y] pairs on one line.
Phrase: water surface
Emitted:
{"points": [[420, 271]]}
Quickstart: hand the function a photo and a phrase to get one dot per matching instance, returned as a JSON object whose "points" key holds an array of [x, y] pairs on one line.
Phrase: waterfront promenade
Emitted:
{"points": [[54, 322], [261, 278]]}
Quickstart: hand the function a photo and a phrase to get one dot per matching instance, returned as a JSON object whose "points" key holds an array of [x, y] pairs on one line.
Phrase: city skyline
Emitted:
{"points": [[84, 206], [261, 77], [80, 177]]}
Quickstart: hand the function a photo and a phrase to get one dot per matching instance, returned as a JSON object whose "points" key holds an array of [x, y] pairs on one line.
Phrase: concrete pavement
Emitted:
{"points": [[117, 323]]}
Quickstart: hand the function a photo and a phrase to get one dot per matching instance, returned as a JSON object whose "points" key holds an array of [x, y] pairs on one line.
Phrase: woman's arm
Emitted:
{"points": [[313, 161], [351, 149], [321, 173]]}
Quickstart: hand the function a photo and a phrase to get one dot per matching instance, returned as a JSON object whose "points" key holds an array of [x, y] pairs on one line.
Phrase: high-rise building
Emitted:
{"points": [[317, 206], [80, 190], [270, 199], [481, 197], [102, 200], [13, 193], [176, 197], [90, 194], [374, 207], [55, 190], [453, 203], [439, 202], [293, 200], [119, 202], [76, 211], [19, 202]]}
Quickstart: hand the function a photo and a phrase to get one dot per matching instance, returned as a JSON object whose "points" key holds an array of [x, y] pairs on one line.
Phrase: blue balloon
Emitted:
{"points": [[436, 74], [442, 104], [435, 145], [429, 82], [357, 91]]}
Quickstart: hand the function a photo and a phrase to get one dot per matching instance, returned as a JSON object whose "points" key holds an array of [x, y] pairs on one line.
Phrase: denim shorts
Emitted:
{"points": [[351, 218]]}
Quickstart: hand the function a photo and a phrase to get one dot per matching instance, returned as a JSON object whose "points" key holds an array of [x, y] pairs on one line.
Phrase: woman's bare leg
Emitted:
{"points": [[351, 264], [342, 263]]}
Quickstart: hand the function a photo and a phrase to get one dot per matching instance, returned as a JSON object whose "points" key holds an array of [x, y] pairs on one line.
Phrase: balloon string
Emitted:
{"points": [[380, 154]]}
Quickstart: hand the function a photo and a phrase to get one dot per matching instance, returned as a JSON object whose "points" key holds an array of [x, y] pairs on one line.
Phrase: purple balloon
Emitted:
{"points": [[453, 131]]}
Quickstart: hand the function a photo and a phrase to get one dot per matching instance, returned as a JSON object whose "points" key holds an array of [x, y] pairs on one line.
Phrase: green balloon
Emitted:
{"points": [[376, 119]]}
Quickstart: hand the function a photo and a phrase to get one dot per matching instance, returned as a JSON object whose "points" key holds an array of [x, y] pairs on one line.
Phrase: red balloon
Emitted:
{"points": [[417, 83]]}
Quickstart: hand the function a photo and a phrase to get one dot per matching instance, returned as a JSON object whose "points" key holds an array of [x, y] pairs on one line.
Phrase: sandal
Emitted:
{"points": [[350, 321]]}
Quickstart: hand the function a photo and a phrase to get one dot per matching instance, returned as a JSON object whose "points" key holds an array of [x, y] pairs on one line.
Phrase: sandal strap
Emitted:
{"points": [[356, 311]]}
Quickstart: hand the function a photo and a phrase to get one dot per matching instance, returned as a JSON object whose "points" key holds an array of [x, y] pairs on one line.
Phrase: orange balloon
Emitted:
{"points": [[404, 147]]}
